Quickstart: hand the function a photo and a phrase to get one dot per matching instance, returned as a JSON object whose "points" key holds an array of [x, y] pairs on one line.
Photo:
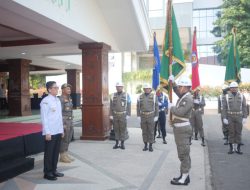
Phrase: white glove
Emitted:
{"points": [[196, 101], [127, 117], [155, 118], [244, 121], [171, 78], [225, 121], [111, 117], [159, 103]]}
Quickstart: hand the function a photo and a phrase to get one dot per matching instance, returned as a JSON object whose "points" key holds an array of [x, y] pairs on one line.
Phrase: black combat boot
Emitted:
{"points": [[177, 178], [150, 147], [159, 134], [195, 136], [164, 140], [238, 151], [203, 141], [190, 140], [176, 181], [226, 141], [122, 145], [230, 148], [145, 146], [116, 144]]}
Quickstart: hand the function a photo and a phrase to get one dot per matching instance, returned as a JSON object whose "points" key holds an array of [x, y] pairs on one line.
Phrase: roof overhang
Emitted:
{"points": [[43, 31]]}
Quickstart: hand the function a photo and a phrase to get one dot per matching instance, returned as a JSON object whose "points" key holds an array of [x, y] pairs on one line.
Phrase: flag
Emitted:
{"points": [[195, 64], [233, 63], [178, 65], [157, 65]]}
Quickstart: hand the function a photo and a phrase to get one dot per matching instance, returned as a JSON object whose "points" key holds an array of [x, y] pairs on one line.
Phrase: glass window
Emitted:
{"points": [[203, 48], [156, 8], [155, 13], [196, 13], [155, 4], [210, 35], [210, 13], [203, 13], [210, 21], [203, 24], [196, 22]]}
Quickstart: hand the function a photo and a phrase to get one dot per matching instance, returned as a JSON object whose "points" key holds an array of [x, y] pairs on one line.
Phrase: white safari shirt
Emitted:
{"points": [[51, 115]]}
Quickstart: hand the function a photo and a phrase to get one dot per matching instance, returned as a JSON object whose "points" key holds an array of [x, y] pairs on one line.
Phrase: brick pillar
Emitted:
{"points": [[18, 94], [73, 78], [95, 113]]}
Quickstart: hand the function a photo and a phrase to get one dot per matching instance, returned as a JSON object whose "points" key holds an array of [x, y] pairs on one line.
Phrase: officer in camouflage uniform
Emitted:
{"points": [[147, 112], [196, 116], [120, 110], [182, 129], [220, 107], [234, 115], [67, 114]]}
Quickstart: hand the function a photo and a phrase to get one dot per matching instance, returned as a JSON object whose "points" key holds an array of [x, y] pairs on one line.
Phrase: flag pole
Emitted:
{"points": [[234, 36], [170, 41]]}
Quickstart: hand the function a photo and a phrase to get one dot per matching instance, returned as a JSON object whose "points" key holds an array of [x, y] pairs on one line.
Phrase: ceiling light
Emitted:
{"points": [[23, 53]]}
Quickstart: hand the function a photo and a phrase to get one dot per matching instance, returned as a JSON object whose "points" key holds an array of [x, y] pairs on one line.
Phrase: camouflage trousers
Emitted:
{"points": [[120, 127], [68, 133], [147, 126], [224, 128], [182, 136], [196, 122], [234, 128]]}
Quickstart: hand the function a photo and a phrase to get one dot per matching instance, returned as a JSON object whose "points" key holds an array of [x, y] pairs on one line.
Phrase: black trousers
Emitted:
{"points": [[51, 154], [162, 122]]}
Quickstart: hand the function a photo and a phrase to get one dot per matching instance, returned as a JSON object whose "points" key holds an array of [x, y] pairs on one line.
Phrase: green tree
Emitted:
{"points": [[37, 81], [234, 13]]}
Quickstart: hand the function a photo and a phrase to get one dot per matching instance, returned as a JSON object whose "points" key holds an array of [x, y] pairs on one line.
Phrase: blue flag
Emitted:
{"points": [[157, 65]]}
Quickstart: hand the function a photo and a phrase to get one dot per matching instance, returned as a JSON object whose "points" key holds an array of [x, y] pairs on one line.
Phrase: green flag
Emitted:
{"points": [[233, 63], [178, 65]]}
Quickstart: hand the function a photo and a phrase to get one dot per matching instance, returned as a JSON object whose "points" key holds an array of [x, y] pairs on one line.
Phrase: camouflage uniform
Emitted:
{"points": [[147, 110], [196, 117], [67, 114], [182, 129], [234, 110], [120, 107], [224, 126]]}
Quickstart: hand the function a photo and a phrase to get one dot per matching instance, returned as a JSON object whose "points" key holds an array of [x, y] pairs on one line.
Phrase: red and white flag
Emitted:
{"points": [[195, 64]]}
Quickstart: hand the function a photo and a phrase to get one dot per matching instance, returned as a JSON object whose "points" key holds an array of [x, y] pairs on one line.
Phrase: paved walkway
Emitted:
{"points": [[98, 167]]}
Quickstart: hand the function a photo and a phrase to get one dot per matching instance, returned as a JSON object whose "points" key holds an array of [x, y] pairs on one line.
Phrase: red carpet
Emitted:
{"points": [[12, 130]]}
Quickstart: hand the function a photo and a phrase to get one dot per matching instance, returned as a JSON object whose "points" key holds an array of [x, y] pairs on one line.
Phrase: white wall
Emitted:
{"points": [[203, 4], [115, 70], [214, 75]]}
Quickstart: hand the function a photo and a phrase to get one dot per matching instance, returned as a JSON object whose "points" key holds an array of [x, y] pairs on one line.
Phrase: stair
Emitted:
{"points": [[15, 167]]}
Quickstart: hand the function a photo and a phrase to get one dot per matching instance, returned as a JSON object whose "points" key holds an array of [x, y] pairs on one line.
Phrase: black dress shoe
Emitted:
{"points": [[122, 147], [49, 177], [58, 174], [145, 149], [164, 142]]}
